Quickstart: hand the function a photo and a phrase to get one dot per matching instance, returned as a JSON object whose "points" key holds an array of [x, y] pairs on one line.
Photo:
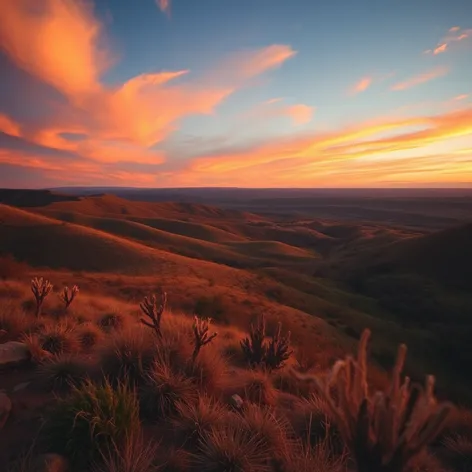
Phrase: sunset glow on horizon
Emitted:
{"points": [[161, 93]]}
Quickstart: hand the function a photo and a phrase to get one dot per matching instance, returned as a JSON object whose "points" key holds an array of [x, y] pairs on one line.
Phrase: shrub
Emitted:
{"points": [[163, 389], [457, 452], [37, 353], [62, 372], [231, 448], [127, 357], [91, 419], [258, 352], [384, 432]]}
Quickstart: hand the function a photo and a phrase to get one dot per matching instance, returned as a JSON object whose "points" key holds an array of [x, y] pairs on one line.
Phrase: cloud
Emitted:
{"points": [[164, 6], [455, 35], [362, 85], [463, 96], [120, 123], [312, 158], [274, 108], [9, 126], [251, 63], [421, 78]]}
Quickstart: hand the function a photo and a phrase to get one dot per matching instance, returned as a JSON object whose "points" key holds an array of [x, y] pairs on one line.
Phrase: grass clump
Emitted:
{"points": [[112, 321], [58, 339], [89, 335], [193, 419], [62, 372], [92, 419], [230, 448], [164, 389], [132, 454], [127, 357]]}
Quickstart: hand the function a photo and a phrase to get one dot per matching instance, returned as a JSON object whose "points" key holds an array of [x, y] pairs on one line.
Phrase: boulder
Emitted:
{"points": [[13, 353], [5, 408]]}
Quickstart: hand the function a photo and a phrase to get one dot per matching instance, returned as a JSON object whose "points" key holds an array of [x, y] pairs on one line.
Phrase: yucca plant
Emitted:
{"points": [[202, 336], [41, 289], [68, 296], [386, 430], [258, 352], [153, 311]]}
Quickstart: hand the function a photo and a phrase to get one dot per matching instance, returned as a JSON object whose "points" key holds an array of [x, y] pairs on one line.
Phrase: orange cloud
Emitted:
{"points": [[164, 5], [421, 78], [374, 145], [56, 42], [123, 122], [362, 85], [464, 96], [455, 34], [300, 114], [9, 126], [250, 63]]}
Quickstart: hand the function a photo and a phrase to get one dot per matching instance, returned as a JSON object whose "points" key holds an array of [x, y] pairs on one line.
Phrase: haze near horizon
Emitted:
{"points": [[162, 93]]}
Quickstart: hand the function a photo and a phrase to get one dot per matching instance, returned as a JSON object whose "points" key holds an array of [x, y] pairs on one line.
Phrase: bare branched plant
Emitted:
{"points": [[259, 352], [386, 430], [150, 308], [41, 289], [68, 295], [202, 335]]}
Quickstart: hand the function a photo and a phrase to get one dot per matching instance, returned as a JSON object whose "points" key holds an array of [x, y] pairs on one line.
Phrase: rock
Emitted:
{"points": [[236, 402], [21, 386], [13, 353], [5, 408], [51, 463]]}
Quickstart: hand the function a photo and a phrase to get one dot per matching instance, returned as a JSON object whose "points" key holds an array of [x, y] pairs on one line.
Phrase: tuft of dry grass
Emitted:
{"points": [[62, 372], [59, 338], [319, 458], [257, 388], [14, 321], [132, 454], [89, 335], [112, 321], [193, 419], [164, 388], [90, 420], [127, 356], [273, 429], [37, 353], [230, 448], [209, 371], [457, 452]]}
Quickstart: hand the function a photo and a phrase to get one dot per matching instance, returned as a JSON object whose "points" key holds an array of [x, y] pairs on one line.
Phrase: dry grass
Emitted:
{"points": [[89, 335], [132, 454], [59, 338], [62, 372], [164, 389], [230, 448], [127, 355], [193, 419]]}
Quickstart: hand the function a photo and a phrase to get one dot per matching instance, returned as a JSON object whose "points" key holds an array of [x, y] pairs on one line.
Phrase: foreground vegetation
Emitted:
{"points": [[123, 387]]}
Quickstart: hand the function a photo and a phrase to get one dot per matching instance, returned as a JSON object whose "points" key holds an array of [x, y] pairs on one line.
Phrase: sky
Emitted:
{"points": [[237, 93]]}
